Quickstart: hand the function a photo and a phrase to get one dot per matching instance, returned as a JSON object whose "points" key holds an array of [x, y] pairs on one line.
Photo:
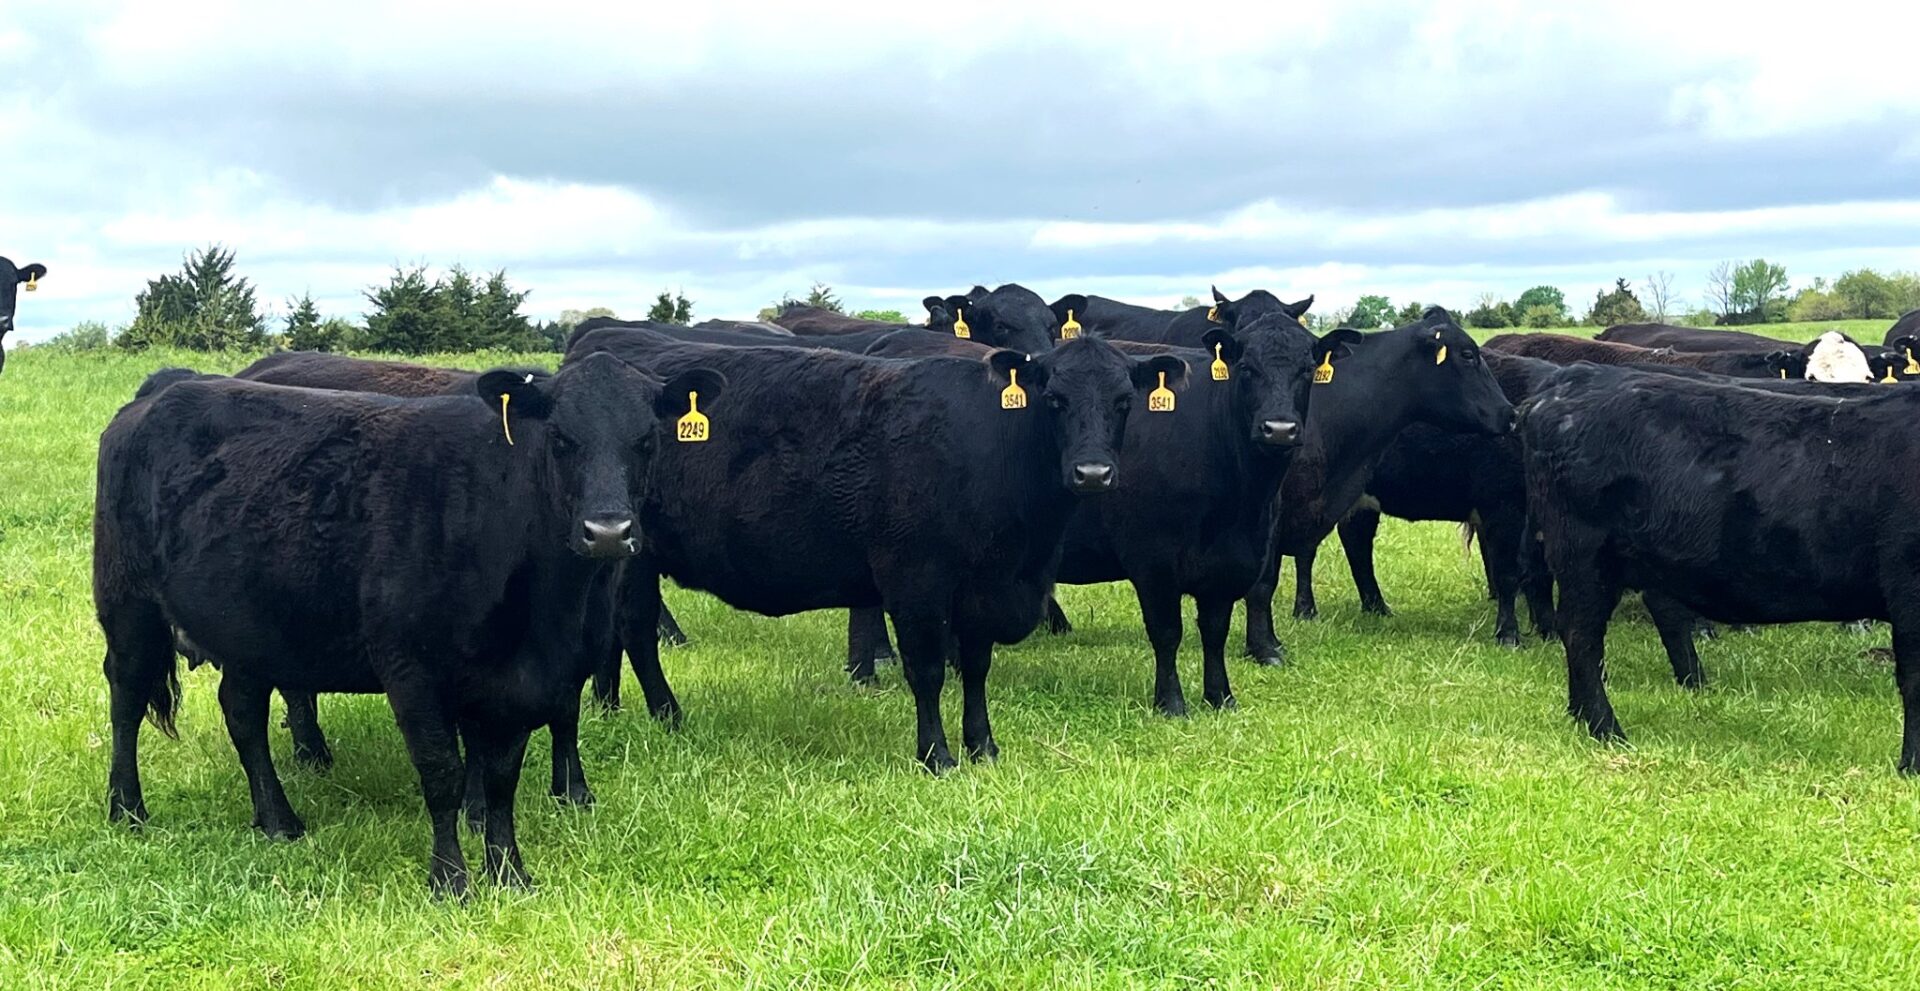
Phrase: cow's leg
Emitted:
{"points": [[1357, 534], [569, 774], [1057, 622], [924, 633], [670, 632], [1500, 556], [1675, 623], [310, 748], [473, 791], [1303, 604], [976, 730], [1262, 644], [499, 757], [639, 624], [1587, 602], [866, 642], [1906, 678], [606, 678], [1213, 617], [245, 703], [139, 667], [1160, 611], [1536, 582], [429, 731]]}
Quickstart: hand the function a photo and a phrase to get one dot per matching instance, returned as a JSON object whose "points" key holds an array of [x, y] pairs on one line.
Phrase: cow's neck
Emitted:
{"points": [[1350, 423]]}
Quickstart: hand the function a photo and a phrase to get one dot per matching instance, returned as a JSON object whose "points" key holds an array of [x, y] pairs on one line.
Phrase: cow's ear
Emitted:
{"points": [[936, 309], [33, 273], [517, 393], [1218, 296], [1229, 346], [695, 387], [1781, 361], [1336, 343], [1298, 308], [1072, 304], [1004, 360], [1437, 314], [1146, 372], [978, 293]]}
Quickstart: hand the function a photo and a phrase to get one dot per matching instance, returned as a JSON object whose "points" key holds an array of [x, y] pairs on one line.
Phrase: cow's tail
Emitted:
{"points": [[163, 697], [1469, 528]]}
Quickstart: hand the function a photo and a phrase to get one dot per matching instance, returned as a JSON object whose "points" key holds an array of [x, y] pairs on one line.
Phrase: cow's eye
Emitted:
{"points": [[562, 444], [1056, 401], [1123, 404]]}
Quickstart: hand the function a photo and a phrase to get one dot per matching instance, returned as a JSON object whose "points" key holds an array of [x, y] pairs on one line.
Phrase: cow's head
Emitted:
{"points": [[1834, 358], [1446, 380], [1269, 367], [12, 280], [1011, 316], [1788, 364], [595, 427], [1235, 313], [1086, 389], [1906, 364]]}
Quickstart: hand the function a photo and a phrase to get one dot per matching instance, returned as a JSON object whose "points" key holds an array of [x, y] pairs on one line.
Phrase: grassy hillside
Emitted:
{"points": [[1404, 805]]}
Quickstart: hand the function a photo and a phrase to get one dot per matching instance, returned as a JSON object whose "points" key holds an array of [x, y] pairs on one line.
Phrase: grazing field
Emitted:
{"points": [[1403, 805]]}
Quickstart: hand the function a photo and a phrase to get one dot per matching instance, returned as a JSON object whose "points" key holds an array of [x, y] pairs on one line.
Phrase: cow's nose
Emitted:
{"points": [[1279, 432], [607, 537], [1092, 476]]}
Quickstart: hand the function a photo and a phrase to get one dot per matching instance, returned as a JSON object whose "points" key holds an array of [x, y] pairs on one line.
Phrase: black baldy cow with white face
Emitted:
{"points": [[13, 279]]}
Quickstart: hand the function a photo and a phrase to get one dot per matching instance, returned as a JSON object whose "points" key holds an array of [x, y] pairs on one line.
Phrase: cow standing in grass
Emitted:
{"points": [[441, 551], [12, 279]]}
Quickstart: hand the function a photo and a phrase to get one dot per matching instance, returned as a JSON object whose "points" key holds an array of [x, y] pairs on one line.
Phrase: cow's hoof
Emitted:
{"points": [[134, 814], [939, 762], [1306, 612], [1224, 702], [317, 760], [1173, 706], [448, 882], [1507, 638], [283, 829], [1377, 607]]}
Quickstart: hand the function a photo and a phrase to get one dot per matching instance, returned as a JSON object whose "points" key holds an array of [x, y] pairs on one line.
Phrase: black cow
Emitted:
{"points": [[1726, 501], [1907, 326], [1429, 371], [1194, 515], [842, 481], [802, 320], [441, 551], [11, 279], [1695, 340], [1431, 473], [727, 336], [745, 326], [1189, 328], [1830, 358]]}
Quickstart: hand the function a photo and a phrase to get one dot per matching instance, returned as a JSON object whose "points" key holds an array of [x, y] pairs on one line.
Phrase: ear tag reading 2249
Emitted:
{"points": [[1013, 397], [1160, 400], [960, 328], [693, 428], [1070, 329], [1219, 365]]}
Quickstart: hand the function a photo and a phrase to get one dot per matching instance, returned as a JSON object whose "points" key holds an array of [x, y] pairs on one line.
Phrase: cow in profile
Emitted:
{"points": [[13, 278]]}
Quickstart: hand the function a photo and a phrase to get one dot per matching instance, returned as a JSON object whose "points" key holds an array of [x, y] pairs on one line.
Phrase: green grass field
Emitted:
{"points": [[1405, 805]]}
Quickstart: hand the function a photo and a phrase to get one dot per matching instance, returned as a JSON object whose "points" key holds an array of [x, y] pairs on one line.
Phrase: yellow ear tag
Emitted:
{"points": [[1889, 376], [1213, 313], [503, 419], [1324, 374], [1219, 365], [1070, 329], [1160, 400], [960, 328], [1013, 397], [1783, 373], [33, 281], [1440, 357], [693, 428], [1913, 367]]}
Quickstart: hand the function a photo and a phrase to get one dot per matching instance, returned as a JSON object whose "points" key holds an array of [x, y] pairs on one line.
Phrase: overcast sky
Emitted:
{"points": [[600, 152]]}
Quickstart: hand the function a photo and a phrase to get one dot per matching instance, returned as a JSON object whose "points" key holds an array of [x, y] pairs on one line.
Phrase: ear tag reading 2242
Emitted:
{"points": [[693, 428], [960, 328], [1324, 374], [1013, 397], [1070, 329], [1160, 400], [1219, 365]]}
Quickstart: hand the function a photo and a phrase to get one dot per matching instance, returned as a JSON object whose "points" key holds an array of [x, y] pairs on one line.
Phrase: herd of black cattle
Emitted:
{"points": [[478, 547]]}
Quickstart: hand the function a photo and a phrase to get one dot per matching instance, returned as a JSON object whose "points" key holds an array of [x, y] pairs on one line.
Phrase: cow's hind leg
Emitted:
{"points": [[1587, 601], [1500, 534], [1906, 678], [310, 748], [569, 774], [1214, 616], [499, 758], [669, 628], [1304, 606], [429, 731], [638, 621], [1057, 622], [141, 678], [1357, 535], [866, 643], [245, 703], [1263, 645], [1675, 623]]}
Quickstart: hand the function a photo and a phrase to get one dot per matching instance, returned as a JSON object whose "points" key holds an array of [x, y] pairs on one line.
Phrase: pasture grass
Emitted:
{"points": [[1404, 805]]}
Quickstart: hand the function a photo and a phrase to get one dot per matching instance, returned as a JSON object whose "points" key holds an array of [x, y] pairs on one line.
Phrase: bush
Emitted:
{"points": [[205, 307], [454, 313], [674, 308], [1813, 305], [87, 335], [883, 316], [1489, 316], [1616, 307], [1543, 315]]}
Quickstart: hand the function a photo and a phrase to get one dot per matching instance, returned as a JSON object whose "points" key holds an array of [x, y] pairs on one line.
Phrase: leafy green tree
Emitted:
{"points": [[1540, 315], [1370, 312], [1189, 302], [1490, 313], [205, 307], [1865, 294], [1616, 307], [1906, 291], [410, 315], [87, 335], [1543, 296], [306, 330], [403, 315], [1409, 313], [884, 316], [671, 308], [821, 296], [1758, 292]]}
